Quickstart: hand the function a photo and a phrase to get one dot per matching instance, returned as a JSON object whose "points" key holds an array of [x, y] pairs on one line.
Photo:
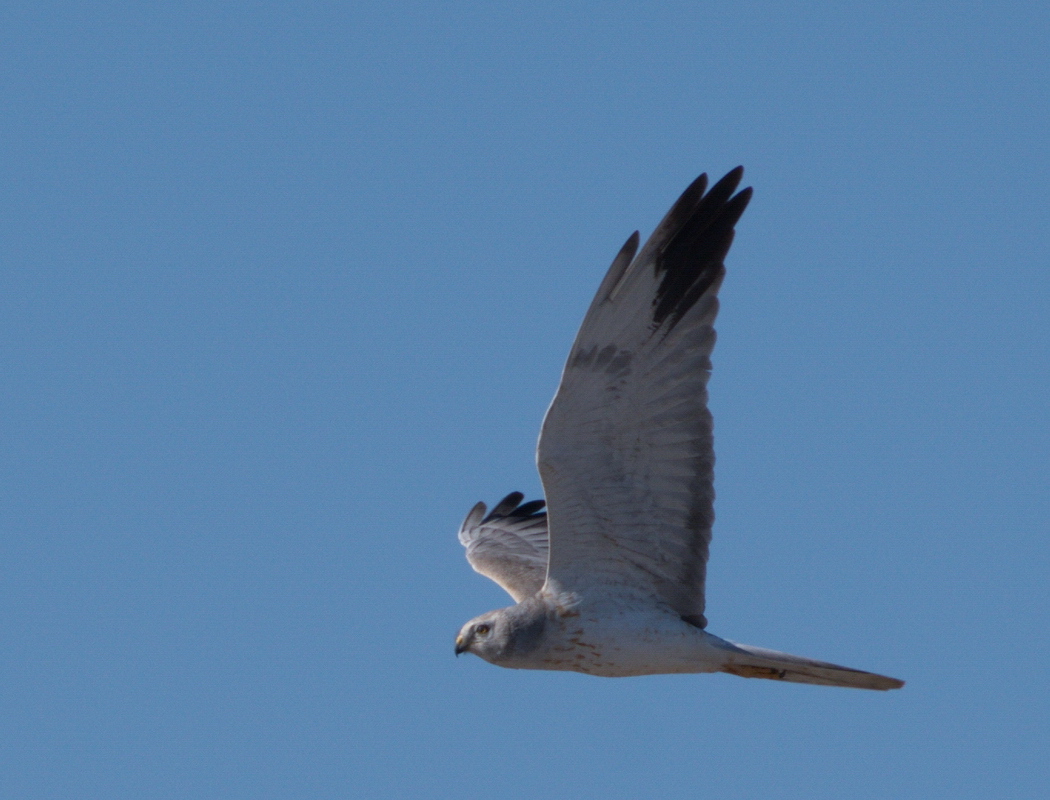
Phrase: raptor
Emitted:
{"points": [[609, 580]]}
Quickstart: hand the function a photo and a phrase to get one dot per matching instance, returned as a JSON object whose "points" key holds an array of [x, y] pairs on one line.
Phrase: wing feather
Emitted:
{"points": [[626, 453], [508, 545]]}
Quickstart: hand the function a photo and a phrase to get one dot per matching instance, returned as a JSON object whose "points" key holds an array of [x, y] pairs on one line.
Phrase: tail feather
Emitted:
{"points": [[757, 662]]}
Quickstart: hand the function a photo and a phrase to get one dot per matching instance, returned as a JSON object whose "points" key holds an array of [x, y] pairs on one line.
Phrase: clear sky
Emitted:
{"points": [[285, 288]]}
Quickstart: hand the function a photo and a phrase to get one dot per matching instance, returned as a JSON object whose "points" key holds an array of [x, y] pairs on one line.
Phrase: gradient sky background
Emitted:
{"points": [[286, 288]]}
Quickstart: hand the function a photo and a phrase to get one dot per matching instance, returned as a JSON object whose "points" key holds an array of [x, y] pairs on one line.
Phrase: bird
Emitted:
{"points": [[608, 579]]}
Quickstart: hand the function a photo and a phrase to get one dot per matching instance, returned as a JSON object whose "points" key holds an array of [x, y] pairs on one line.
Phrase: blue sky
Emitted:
{"points": [[286, 288]]}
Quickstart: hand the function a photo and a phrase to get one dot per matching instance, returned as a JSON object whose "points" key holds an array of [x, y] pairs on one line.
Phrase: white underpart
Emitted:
{"points": [[621, 639]]}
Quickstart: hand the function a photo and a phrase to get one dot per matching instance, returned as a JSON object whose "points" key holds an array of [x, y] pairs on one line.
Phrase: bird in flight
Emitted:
{"points": [[610, 579]]}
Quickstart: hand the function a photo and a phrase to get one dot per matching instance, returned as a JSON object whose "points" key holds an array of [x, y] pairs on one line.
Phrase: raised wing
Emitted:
{"points": [[626, 451], [509, 545]]}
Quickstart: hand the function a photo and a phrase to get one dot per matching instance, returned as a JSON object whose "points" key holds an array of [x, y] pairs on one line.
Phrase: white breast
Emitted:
{"points": [[619, 640]]}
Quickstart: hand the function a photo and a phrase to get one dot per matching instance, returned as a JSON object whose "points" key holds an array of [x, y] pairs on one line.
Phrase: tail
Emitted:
{"points": [[757, 662]]}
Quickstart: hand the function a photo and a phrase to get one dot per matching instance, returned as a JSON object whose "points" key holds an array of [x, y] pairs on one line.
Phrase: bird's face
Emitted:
{"points": [[483, 636]]}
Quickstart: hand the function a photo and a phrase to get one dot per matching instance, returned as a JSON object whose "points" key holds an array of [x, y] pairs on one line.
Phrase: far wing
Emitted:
{"points": [[509, 545], [626, 451]]}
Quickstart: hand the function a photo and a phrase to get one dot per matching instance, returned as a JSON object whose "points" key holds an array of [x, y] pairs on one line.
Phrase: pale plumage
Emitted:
{"points": [[509, 545], [626, 458]]}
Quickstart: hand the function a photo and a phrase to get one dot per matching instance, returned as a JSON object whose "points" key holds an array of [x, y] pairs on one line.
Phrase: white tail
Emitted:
{"points": [[757, 662]]}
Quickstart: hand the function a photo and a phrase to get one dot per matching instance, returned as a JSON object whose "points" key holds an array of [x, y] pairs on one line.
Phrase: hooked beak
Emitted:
{"points": [[462, 645]]}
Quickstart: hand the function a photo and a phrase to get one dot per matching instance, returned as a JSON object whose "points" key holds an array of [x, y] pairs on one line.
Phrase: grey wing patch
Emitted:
{"points": [[626, 453], [508, 545]]}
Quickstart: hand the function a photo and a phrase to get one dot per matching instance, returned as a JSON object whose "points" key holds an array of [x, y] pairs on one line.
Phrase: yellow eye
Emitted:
{"points": [[481, 630]]}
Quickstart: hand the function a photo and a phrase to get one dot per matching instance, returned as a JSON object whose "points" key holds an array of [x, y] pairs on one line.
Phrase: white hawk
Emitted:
{"points": [[610, 580]]}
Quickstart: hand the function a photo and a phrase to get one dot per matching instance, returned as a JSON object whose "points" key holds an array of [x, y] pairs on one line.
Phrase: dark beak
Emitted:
{"points": [[462, 645]]}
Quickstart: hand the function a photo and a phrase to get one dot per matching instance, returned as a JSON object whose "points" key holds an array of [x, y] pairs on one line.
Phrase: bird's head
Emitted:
{"points": [[486, 636], [502, 636]]}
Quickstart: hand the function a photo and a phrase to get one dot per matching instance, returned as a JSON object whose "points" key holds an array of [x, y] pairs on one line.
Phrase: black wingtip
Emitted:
{"points": [[505, 506], [696, 188], [529, 508], [511, 506], [619, 266], [737, 204], [693, 248], [734, 175]]}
